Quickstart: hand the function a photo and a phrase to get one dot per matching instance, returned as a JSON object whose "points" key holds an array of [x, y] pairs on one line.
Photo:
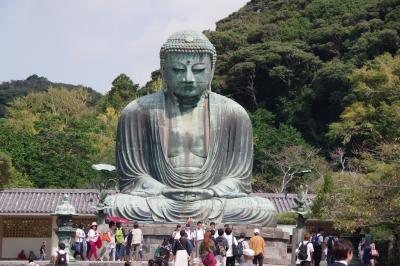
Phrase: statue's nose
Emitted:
{"points": [[189, 77]]}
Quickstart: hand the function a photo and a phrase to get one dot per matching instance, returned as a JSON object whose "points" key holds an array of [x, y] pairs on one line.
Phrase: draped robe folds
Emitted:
{"points": [[144, 169]]}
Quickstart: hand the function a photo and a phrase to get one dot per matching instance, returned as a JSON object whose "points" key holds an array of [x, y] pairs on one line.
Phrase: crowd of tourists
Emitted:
{"points": [[317, 246], [210, 247], [116, 245], [206, 245], [308, 253]]}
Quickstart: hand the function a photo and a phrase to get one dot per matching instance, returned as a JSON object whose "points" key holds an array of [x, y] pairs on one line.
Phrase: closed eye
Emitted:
{"points": [[198, 69], [178, 69]]}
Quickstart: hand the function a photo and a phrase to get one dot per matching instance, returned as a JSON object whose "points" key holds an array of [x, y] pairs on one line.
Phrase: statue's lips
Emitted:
{"points": [[188, 87]]}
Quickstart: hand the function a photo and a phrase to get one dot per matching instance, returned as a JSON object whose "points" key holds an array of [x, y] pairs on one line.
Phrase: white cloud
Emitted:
{"points": [[90, 42]]}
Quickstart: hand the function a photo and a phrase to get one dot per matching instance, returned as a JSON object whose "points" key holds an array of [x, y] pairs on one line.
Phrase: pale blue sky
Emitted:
{"points": [[90, 42]]}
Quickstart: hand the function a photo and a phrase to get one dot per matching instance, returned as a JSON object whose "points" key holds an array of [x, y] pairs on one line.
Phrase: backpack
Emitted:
{"points": [[315, 241], [331, 243], [61, 259], [221, 247], [157, 253], [240, 248], [303, 254], [119, 236]]}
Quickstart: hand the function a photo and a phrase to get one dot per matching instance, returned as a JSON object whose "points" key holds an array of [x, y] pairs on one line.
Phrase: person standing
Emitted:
{"points": [[176, 234], [330, 243], [42, 251], [93, 236], [109, 238], [190, 234], [214, 230], [79, 241], [119, 242], [257, 244], [182, 250], [317, 242], [248, 255], [232, 246], [207, 250], [61, 256], [305, 251], [165, 250], [242, 245], [221, 247], [198, 237], [343, 252], [137, 240]]}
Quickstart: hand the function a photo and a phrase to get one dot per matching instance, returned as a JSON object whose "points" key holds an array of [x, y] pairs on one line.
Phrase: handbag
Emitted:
{"points": [[106, 237], [98, 242], [209, 260], [235, 251], [374, 252]]}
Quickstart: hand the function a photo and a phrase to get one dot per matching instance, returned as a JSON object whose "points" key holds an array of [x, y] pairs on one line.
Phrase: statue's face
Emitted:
{"points": [[187, 74]]}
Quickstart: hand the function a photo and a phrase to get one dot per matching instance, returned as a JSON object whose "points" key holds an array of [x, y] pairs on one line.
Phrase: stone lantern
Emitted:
{"points": [[65, 231]]}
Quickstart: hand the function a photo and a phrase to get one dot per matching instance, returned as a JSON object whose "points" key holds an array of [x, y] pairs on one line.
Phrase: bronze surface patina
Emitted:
{"points": [[186, 151]]}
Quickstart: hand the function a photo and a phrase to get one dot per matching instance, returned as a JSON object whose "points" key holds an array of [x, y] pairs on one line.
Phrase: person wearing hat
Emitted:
{"points": [[248, 255], [93, 235], [257, 244]]}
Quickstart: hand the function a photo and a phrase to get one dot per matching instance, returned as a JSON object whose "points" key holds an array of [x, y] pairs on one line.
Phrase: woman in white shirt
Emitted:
{"points": [[230, 258], [176, 234], [79, 239], [93, 235]]}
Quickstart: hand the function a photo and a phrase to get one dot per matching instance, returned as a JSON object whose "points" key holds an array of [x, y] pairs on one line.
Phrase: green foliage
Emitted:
{"points": [[287, 218], [323, 192], [154, 85], [273, 151], [50, 137], [293, 57], [122, 92], [9, 176], [19, 88], [372, 116]]}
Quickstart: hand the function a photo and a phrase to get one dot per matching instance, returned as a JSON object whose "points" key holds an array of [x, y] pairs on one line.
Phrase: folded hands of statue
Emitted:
{"points": [[187, 194]]}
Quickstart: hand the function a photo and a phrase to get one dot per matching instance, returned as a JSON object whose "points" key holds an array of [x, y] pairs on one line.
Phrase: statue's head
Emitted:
{"points": [[187, 63]]}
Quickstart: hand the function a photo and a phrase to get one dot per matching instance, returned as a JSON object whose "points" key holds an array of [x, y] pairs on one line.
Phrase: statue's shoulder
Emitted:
{"points": [[228, 104], [145, 103]]}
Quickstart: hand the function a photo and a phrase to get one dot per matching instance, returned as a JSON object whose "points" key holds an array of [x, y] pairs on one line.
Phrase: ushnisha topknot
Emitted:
{"points": [[188, 41]]}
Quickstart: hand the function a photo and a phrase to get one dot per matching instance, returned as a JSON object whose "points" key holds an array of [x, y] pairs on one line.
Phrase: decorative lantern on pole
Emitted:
{"points": [[104, 183], [298, 232], [65, 230]]}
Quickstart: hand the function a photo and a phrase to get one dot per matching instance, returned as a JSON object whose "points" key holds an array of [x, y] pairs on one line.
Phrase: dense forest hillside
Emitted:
{"points": [[18, 88], [293, 57]]}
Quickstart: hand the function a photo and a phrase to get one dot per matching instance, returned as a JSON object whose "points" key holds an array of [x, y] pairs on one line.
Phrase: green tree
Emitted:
{"points": [[51, 137], [9, 176], [372, 117], [122, 92]]}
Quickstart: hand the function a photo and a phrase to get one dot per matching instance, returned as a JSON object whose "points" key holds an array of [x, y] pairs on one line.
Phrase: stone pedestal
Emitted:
{"points": [[275, 239]]}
